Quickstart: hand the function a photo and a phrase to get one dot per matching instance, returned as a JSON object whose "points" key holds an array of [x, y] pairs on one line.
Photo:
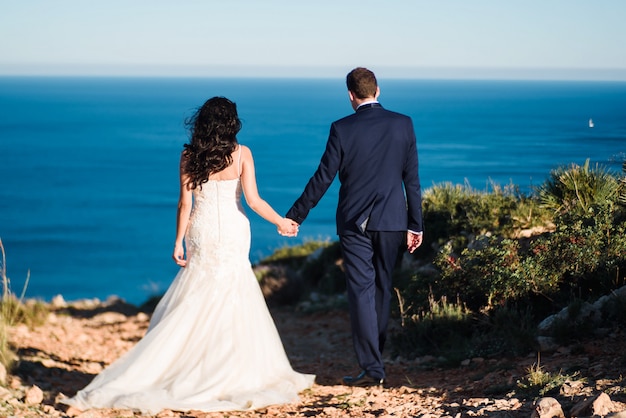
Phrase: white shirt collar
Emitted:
{"points": [[370, 102]]}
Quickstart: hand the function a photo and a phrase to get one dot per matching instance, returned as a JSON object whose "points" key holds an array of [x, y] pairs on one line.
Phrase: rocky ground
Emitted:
{"points": [[64, 354]]}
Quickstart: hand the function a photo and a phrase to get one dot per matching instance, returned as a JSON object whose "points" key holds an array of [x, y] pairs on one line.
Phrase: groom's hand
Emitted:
{"points": [[413, 241]]}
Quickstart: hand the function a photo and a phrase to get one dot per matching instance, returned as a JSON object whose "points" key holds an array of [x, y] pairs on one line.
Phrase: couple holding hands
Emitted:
{"points": [[212, 344]]}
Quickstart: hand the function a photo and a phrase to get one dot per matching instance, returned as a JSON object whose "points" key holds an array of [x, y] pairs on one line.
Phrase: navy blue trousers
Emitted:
{"points": [[369, 259]]}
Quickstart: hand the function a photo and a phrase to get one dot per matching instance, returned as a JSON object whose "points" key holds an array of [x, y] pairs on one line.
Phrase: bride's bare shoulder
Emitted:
{"points": [[245, 151]]}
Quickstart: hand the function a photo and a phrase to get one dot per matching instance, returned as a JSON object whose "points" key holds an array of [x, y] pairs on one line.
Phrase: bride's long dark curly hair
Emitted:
{"points": [[213, 139]]}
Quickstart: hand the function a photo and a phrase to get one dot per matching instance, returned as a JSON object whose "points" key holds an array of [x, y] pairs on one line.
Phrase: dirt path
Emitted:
{"points": [[63, 355]]}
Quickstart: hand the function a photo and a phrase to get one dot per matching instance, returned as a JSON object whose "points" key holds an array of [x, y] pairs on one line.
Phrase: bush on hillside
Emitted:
{"points": [[454, 214], [487, 269], [580, 190]]}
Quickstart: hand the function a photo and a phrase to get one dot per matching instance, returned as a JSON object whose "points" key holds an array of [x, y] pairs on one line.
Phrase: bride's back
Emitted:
{"points": [[231, 172]]}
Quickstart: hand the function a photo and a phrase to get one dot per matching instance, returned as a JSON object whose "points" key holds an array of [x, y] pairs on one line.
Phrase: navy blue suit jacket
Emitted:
{"points": [[374, 151]]}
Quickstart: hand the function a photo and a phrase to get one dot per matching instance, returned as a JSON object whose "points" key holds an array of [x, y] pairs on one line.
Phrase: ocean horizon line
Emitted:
{"points": [[312, 73]]}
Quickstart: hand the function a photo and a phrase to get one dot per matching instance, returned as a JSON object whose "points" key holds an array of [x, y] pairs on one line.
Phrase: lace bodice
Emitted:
{"points": [[218, 227]]}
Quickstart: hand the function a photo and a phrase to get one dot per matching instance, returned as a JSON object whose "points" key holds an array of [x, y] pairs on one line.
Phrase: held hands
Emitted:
{"points": [[413, 241], [179, 255], [288, 228]]}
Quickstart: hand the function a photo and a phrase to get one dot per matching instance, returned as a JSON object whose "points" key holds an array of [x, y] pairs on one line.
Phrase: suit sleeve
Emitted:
{"points": [[410, 177], [321, 180]]}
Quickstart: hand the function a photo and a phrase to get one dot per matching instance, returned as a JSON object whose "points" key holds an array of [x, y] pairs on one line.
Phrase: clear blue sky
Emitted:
{"points": [[395, 38]]}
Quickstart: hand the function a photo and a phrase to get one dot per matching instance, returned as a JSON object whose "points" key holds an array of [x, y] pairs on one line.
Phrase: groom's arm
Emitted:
{"points": [[410, 177], [321, 180]]}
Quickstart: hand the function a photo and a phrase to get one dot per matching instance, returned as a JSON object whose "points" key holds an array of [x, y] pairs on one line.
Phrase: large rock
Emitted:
{"points": [[588, 313]]}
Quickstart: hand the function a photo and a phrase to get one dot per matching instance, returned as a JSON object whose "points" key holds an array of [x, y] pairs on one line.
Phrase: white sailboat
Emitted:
{"points": [[591, 125]]}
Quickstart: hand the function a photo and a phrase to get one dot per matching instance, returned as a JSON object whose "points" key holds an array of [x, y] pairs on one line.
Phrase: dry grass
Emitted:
{"points": [[13, 311]]}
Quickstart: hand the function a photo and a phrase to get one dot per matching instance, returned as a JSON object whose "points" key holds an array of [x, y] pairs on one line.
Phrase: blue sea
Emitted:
{"points": [[89, 166]]}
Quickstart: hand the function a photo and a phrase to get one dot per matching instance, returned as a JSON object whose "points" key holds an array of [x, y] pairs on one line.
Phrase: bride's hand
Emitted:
{"points": [[179, 255], [288, 228]]}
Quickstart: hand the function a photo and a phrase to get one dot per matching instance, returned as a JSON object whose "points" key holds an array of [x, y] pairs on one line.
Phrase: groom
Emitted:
{"points": [[375, 154]]}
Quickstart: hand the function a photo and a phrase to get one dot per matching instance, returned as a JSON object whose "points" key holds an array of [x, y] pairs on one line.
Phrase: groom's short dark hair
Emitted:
{"points": [[362, 82]]}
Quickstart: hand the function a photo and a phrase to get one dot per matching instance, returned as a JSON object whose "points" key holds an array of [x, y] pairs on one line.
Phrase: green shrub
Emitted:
{"points": [[579, 189], [577, 260], [488, 266], [453, 214], [488, 275], [453, 333], [583, 257], [539, 382]]}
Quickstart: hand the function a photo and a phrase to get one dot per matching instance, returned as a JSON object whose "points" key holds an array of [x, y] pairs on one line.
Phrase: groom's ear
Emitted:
{"points": [[353, 100]]}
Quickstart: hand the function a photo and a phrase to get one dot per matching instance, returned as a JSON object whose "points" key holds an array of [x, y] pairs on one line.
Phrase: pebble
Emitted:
{"points": [[34, 396]]}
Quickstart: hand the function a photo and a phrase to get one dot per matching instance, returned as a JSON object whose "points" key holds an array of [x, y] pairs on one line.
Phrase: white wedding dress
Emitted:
{"points": [[211, 344]]}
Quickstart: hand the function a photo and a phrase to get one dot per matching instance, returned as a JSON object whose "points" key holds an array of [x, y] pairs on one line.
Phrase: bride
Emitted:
{"points": [[211, 344]]}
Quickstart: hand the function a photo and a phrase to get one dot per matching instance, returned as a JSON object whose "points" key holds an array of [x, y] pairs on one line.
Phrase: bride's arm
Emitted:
{"points": [[256, 203], [182, 216]]}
